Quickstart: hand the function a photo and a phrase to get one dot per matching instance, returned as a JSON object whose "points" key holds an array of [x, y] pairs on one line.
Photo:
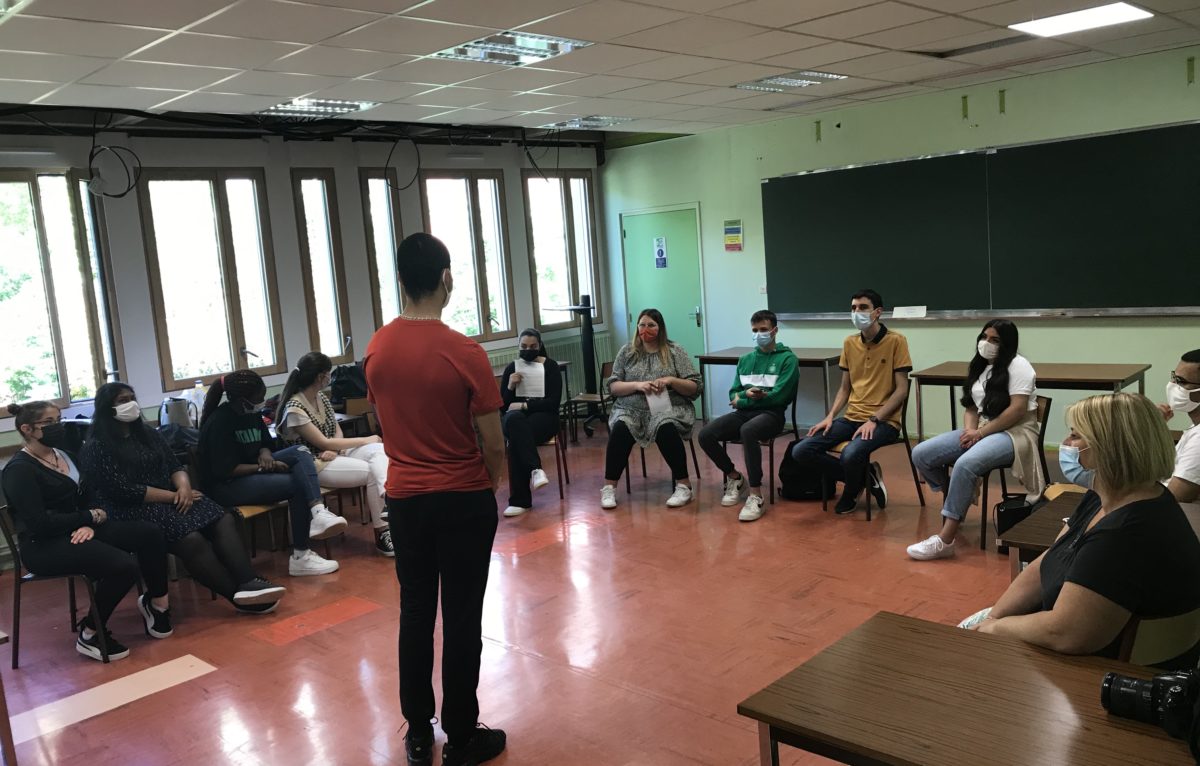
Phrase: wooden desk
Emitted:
{"points": [[7, 748], [1050, 375], [898, 690], [823, 358]]}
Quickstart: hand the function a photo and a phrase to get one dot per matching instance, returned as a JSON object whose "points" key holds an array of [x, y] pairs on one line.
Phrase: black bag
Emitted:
{"points": [[1010, 512], [796, 481], [179, 438], [348, 382]]}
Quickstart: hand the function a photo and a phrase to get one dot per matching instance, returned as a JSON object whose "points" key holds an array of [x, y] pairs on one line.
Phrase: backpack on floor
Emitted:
{"points": [[348, 382], [796, 481]]}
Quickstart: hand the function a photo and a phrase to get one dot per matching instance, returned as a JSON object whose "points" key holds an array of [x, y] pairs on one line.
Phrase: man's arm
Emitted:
{"points": [[896, 400], [491, 438]]}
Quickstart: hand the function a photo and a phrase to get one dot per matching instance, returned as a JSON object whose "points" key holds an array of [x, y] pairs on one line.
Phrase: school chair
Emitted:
{"points": [[691, 443], [770, 445], [1043, 417], [584, 401], [1154, 642]]}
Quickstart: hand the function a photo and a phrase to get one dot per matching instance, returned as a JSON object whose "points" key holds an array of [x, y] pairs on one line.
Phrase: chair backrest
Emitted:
{"points": [[1043, 418], [10, 539], [605, 372], [1154, 642], [795, 425]]}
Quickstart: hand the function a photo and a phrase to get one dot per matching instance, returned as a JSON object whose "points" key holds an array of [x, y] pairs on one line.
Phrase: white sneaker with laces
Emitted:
{"points": [[681, 496], [538, 479], [310, 564], [608, 497], [931, 548], [325, 524], [753, 509], [514, 510], [733, 492]]}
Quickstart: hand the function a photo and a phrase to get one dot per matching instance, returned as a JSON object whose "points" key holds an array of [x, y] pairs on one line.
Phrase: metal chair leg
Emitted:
{"points": [[16, 639], [558, 463], [771, 467], [97, 624], [695, 462], [983, 514], [71, 601]]}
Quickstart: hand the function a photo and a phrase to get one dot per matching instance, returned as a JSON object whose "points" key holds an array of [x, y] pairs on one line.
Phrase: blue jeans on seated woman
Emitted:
{"points": [[299, 486], [934, 457]]}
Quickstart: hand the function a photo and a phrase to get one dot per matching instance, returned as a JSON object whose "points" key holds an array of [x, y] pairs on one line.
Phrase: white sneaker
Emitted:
{"points": [[325, 523], [733, 492], [932, 548], [310, 564], [538, 479], [514, 510], [608, 497], [681, 496], [753, 509]]}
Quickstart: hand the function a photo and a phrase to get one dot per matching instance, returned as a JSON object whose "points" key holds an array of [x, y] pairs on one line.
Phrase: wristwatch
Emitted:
{"points": [[873, 419]]}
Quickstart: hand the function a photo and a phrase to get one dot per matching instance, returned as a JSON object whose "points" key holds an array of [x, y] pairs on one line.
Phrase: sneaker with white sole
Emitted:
{"points": [[309, 563], [753, 509], [258, 591], [875, 484], [158, 621], [608, 497], [733, 492], [680, 497], [90, 647], [325, 524], [931, 548], [538, 479], [383, 542], [515, 510]]}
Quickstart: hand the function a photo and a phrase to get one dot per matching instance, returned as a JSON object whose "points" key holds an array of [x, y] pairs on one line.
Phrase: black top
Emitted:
{"points": [[228, 439], [44, 503], [548, 403], [1143, 556], [120, 474]]}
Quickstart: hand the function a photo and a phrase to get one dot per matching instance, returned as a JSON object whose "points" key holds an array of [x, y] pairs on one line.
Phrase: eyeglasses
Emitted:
{"points": [[1183, 381]]}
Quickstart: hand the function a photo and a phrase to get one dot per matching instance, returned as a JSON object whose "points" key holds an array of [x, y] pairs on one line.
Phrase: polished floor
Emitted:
{"points": [[616, 638]]}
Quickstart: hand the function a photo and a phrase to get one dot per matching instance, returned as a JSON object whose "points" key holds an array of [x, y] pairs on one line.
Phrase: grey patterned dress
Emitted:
{"points": [[632, 367]]}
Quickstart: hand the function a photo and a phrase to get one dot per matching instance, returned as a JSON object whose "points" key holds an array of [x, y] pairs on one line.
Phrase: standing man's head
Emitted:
{"points": [[866, 307], [423, 263], [765, 326], [1183, 391]]}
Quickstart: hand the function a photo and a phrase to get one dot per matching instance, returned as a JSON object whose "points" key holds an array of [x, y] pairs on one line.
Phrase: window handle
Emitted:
{"points": [[346, 345], [247, 352]]}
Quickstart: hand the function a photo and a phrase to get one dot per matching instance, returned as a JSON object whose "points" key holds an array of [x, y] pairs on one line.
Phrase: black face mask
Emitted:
{"points": [[529, 354], [54, 435]]}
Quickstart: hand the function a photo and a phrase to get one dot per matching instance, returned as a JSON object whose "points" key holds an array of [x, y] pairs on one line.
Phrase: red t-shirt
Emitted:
{"points": [[427, 383]]}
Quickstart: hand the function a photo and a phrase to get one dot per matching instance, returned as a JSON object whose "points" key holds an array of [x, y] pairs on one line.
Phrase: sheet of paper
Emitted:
{"points": [[660, 402], [533, 379], [908, 312]]}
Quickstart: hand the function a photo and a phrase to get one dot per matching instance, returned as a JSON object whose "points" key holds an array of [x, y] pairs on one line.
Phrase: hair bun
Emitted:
{"points": [[14, 409]]}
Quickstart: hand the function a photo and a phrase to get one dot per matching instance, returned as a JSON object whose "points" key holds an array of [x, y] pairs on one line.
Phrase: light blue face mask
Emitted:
{"points": [[1068, 461], [763, 339], [861, 319]]}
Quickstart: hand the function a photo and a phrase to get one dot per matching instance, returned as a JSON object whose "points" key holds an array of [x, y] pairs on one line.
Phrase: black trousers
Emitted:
{"points": [[215, 556], [621, 441], [752, 427], [445, 539], [106, 559], [525, 431]]}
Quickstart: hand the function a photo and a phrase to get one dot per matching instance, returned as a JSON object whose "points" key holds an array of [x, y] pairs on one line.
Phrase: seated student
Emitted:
{"points": [[999, 429], [136, 477], [1183, 396], [59, 534], [875, 366], [1127, 551], [763, 386], [305, 418], [651, 366], [528, 420], [237, 467]]}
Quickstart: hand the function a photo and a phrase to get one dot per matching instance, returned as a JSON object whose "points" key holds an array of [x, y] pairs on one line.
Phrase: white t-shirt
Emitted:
{"points": [[1022, 380], [1187, 456]]}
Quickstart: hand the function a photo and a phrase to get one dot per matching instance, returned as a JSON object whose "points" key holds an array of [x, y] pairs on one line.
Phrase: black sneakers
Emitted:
{"points": [[846, 505], [258, 591], [418, 746], [90, 647], [256, 608], [875, 484], [158, 624], [484, 745]]}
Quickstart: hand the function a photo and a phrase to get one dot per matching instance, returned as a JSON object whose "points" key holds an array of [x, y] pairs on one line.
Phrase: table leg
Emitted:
{"points": [[1014, 563], [920, 418], [953, 411], [768, 748], [703, 394], [1142, 384], [6, 738], [825, 370]]}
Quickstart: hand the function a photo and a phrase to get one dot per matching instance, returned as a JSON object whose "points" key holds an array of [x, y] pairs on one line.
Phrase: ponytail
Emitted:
{"points": [[213, 398], [308, 368], [239, 384]]}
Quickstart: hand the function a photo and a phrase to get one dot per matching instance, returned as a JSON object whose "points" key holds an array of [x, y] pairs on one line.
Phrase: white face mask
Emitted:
{"points": [[446, 285], [988, 351], [1179, 398], [128, 412], [861, 319]]}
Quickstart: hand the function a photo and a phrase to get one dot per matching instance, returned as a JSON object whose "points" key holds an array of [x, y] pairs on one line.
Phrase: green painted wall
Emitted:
{"points": [[722, 171]]}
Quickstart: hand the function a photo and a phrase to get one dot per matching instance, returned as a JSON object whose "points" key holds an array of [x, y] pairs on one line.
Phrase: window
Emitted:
{"points": [[561, 222], [54, 347], [466, 211], [321, 264], [381, 209], [212, 273]]}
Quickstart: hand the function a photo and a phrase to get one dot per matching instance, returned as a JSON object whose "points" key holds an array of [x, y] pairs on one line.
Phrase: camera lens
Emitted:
{"points": [[1128, 697]]}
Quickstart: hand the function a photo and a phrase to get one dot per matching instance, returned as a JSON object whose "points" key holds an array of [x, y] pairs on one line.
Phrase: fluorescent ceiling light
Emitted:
{"points": [[316, 107], [1090, 18], [512, 49], [781, 83], [756, 86], [591, 122], [26, 151]]}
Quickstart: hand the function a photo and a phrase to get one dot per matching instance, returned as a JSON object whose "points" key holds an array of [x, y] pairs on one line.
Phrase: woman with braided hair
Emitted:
{"points": [[237, 467]]}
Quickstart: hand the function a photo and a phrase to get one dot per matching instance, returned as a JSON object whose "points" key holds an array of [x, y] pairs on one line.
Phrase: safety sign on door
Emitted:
{"points": [[660, 252]]}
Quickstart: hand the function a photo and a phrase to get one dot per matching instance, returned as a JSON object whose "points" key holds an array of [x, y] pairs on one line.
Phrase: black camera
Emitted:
{"points": [[1168, 700]]}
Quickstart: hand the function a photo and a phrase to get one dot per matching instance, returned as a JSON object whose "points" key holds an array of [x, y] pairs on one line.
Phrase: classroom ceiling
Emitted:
{"points": [[668, 65]]}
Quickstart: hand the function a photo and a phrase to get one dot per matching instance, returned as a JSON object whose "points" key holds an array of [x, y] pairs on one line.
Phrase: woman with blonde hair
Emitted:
{"points": [[1126, 552]]}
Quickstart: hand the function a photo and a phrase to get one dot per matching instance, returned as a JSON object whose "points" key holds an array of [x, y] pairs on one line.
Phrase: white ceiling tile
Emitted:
{"points": [[713, 96], [977, 77], [455, 98], [746, 117], [648, 125], [525, 78], [101, 96], [820, 106], [77, 38], [918, 35], [1062, 62], [851, 85], [625, 107], [922, 71], [24, 91], [603, 20], [760, 46], [893, 91], [767, 100], [1168, 6], [1029, 50], [498, 14], [401, 35], [274, 84], [283, 21], [379, 91], [162, 14], [660, 91], [708, 114], [1189, 17], [692, 6], [952, 6], [219, 103], [533, 119], [670, 67], [1019, 11], [734, 74], [603, 58], [20, 65], [862, 21], [879, 62], [688, 34], [821, 54], [396, 113], [469, 117], [991, 35], [200, 50], [437, 71], [529, 102], [783, 13], [336, 62], [1175, 38], [141, 74], [1092, 37], [379, 6], [595, 85]]}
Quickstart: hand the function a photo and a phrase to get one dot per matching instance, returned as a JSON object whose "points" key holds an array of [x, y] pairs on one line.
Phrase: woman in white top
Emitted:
{"points": [[1000, 429], [306, 418]]}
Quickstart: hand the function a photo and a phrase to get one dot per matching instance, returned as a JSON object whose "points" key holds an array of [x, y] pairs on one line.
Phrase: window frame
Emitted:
{"points": [[566, 174], [113, 315], [365, 175], [482, 295], [233, 305], [336, 253]]}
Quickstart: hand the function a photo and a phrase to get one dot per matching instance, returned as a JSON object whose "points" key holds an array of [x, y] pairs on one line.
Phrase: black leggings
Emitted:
{"points": [[525, 431], [215, 556], [621, 441]]}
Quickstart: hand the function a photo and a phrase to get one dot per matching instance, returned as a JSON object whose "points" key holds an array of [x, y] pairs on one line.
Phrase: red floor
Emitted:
{"points": [[623, 638]]}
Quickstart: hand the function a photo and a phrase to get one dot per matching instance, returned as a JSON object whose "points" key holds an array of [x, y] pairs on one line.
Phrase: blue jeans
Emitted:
{"points": [[851, 467], [299, 487], [934, 457]]}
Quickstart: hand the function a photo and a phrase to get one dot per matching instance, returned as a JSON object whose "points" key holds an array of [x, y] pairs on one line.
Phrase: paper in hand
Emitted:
{"points": [[660, 402], [533, 379]]}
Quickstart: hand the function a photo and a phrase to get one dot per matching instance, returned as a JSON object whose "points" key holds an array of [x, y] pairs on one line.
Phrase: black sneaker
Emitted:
{"points": [[158, 624], [418, 746], [90, 647], [846, 505], [258, 591], [875, 484], [383, 542], [484, 745], [256, 608]]}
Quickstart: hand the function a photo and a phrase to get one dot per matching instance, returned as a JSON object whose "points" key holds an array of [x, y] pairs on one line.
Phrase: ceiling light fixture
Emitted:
{"points": [[1077, 21], [512, 49], [317, 107], [782, 82], [756, 86], [591, 122]]}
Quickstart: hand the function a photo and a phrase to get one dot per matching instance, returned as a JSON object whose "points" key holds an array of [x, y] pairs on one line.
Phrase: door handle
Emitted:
{"points": [[698, 316]]}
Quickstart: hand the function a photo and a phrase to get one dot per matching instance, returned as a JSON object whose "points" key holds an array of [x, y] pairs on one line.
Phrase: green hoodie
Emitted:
{"points": [[773, 372]]}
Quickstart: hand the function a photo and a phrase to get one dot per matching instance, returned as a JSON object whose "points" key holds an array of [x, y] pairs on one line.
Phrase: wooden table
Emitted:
{"points": [[7, 748], [1050, 375], [823, 358], [898, 690]]}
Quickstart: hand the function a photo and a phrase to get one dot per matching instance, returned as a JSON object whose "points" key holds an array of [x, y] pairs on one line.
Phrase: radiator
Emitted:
{"points": [[567, 349]]}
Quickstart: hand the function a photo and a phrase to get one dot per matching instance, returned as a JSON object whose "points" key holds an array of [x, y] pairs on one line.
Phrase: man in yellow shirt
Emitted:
{"points": [[875, 366]]}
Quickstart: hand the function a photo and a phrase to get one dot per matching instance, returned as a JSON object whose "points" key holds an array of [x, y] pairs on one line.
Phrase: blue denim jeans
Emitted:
{"points": [[299, 487], [934, 457], [851, 467]]}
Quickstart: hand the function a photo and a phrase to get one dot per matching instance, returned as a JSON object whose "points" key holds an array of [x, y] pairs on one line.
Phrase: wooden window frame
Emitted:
{"points": [[326, 176], [365, 175], [482, 296], [233, 305], [113, 315]]}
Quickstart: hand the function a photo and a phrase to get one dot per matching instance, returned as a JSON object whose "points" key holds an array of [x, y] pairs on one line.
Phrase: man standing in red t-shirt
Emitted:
{"points": [[432, 389]]}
